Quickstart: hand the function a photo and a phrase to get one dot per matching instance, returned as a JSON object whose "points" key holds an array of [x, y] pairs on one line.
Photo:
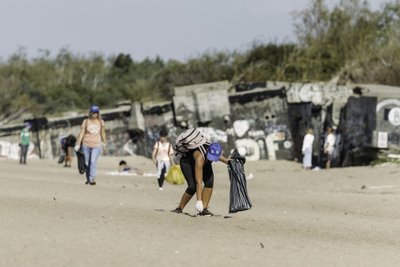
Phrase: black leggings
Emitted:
{"points": [[162, 176], [188, 168], [24, 153]]}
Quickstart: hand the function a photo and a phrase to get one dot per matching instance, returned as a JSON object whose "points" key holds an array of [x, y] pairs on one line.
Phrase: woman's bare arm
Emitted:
{"points": [[199, 163]]}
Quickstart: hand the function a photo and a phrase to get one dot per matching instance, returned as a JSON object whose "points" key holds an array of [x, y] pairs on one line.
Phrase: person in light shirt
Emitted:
{"points": [[307, 149], [92, 139], [162, 157], [329, 147]]}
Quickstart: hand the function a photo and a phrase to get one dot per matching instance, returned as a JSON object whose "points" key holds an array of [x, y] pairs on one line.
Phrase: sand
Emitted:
{"points": [[337, 217]]}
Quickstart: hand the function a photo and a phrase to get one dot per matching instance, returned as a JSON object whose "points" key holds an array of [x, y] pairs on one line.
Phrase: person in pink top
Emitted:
{"points": [[92, 139], [162, 157]]}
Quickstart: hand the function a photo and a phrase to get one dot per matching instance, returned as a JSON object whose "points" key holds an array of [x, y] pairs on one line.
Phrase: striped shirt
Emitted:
{"points": [[192, 139]]}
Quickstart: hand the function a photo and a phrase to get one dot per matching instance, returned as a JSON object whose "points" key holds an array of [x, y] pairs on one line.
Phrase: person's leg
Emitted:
{"points": [[207, 192], [188, 172], [167, 166], [25, 153], [307, 159], [208, 178], [328, 164], [68, 156], [184, 200], [162, 176], [94, 155], [87, 152], [160, 168], [21, 153], [164, 171]]}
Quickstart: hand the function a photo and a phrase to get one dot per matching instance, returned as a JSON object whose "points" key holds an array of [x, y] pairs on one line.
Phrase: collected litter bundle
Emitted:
{"points": [[175, 175], [81, 162], [238, 197], [61, 159]]}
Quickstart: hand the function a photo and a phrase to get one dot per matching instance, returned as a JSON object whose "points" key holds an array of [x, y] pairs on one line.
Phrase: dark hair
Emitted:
{"points": [[163, 133], [122, 162]]}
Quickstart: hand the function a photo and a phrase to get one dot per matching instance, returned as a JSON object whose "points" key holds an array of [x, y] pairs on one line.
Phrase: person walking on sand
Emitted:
{"points": [[197, 154], [24, 141], [307, 149], [162, 157], [92, 139], [329, 147]]}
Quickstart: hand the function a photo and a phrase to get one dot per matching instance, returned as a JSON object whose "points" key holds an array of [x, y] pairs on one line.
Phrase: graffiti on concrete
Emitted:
{"points": [[387, 102], [256, 143], [388, 120], [323, 95], [12, 150], [264, 121], [318, 94], [215, 135]]}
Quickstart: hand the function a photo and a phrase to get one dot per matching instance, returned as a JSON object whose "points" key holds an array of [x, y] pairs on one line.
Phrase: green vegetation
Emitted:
{"points": [[384, 157], [348, 41]]}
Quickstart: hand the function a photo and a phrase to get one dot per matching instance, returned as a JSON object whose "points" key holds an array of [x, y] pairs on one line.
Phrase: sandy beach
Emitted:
{"points": [[337, 217]]}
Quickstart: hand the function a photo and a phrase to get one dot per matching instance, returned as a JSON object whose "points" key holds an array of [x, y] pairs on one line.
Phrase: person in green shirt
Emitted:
{"points": [[24, 141]]}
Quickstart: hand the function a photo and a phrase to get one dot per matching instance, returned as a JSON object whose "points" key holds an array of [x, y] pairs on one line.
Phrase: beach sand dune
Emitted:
{"points": [[337, 217]]}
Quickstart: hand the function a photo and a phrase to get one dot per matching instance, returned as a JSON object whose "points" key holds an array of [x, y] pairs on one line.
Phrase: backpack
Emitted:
{"points": [[189, 139]]}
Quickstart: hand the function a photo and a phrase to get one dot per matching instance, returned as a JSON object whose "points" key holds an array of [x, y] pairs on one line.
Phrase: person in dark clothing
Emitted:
{"points": [[68, 145], [197, 155]]}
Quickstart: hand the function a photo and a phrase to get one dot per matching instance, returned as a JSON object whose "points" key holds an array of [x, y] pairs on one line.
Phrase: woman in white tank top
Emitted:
{"points": [[162, 157]]}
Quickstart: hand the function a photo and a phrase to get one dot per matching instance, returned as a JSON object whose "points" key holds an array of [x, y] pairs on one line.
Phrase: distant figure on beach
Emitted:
{"points": [[68, 144], [197, 155], [162, 157], [329, 147], [307, 149], [24, 141], [93, 139], [123, 167]]}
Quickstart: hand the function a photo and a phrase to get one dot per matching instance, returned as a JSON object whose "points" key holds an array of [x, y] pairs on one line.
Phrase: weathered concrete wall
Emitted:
{"points": [[301, 117], [201, 103], [157, 116], [387, 132], [46, 135], [260, 124], [263, 121], [358, 122]]}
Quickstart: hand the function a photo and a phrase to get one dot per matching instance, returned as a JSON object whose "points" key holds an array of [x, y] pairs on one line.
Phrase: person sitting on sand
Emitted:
{"points": [[123, 167]]}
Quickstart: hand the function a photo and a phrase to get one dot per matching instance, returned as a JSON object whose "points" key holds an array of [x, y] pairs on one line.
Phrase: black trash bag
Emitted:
{"points": [[61, 159], [81, 162], [238, 197]]}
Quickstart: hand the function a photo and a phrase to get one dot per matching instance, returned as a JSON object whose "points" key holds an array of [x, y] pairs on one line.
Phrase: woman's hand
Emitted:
{"points": [[199, 206], [224, 160]]}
